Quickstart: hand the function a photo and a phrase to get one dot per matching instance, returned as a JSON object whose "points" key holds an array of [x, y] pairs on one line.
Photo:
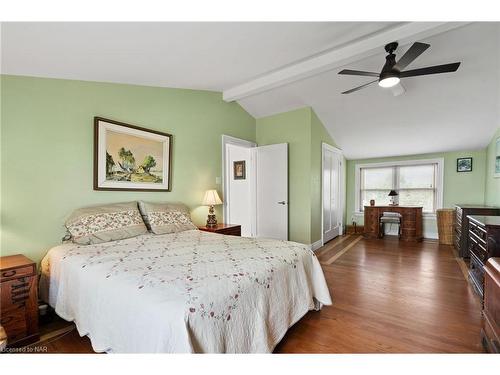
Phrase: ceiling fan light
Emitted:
{"points": [[388, 82]]}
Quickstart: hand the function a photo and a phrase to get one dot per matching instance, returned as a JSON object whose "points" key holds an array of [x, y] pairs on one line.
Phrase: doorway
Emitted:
{"points": [[239, 193], [255, 187]]}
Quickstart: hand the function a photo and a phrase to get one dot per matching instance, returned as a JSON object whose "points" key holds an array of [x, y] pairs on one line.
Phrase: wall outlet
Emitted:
{"points": [[217, 180]]}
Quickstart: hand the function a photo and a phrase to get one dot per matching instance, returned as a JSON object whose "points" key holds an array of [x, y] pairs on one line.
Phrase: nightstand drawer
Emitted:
{"points": [[17, 272], [231, 231], [13, 320], [16, 291], [227, 229]]}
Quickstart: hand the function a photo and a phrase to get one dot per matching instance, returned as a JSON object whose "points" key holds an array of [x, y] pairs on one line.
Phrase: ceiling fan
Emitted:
{"points": [[393, 71]]}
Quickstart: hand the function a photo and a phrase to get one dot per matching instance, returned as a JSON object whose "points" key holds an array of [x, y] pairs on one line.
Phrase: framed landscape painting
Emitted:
{"points": [[128, 157]]}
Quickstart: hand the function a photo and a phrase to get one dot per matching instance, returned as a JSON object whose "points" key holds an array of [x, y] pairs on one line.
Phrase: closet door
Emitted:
{"points": [[331, 194]]}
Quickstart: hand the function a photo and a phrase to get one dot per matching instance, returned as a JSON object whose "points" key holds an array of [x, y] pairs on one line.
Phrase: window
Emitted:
{"points": [[418, 183]]}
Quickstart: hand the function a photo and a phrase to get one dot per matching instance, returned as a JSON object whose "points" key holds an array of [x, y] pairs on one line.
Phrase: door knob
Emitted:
{"points": [[282, 202]]}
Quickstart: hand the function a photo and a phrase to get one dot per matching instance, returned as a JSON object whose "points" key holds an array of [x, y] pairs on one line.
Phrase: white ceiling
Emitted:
{"points": [[205, 56], [437, 113], [444, 112]]}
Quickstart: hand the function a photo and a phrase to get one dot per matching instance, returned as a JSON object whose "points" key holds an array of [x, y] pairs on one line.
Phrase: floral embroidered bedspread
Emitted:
{"points": [[190, 291]]}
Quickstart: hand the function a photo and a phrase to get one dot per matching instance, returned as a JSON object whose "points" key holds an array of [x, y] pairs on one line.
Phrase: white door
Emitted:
{"points": [[272, 191], [331, 193]]}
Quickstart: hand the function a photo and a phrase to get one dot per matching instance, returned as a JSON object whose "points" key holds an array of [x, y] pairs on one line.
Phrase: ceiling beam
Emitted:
{"points": [[357, 50]]}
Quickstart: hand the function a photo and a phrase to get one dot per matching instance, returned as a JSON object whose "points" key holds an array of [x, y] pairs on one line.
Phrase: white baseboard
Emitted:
{"points": [[316, 245], [432, 236]]}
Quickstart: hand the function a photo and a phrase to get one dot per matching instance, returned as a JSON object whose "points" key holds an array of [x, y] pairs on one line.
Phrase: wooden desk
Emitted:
{"points": [[411, 221]]}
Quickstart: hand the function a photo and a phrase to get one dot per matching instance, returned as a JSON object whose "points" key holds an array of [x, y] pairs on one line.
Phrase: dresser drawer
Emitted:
{"points": [[478, 249], [478, 232], [476, 274], [17, 272]]}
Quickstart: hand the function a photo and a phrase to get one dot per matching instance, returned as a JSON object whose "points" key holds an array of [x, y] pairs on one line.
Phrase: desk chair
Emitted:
{"points": [[389, 218]]}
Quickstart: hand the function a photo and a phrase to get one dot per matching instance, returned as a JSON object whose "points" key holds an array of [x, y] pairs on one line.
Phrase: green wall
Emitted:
{"points": [[492, 185], [47, 150], [293, 128], [304, 133], [465, 187]]}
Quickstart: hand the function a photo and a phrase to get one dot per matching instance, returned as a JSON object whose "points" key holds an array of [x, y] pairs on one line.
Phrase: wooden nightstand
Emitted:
{"points": [[229, 229], [19, 299]]}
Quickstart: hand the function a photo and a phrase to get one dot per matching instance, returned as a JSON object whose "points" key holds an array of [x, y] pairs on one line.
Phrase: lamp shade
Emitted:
{"points": [[393, 193], [211, 198]]}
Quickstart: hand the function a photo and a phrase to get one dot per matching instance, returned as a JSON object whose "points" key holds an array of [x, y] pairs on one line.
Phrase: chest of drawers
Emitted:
{"points": [[19, 299], [461, 224], [484, 243], [490, 332]]}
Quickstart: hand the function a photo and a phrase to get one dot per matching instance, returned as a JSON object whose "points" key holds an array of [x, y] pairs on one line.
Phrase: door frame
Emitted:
{"points": [[326, 146], [226, 172]]}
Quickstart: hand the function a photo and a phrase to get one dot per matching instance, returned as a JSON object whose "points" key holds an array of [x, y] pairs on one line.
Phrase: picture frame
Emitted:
{"points": [[131, 158], [496, 164], [464, 164], [239, 170]]}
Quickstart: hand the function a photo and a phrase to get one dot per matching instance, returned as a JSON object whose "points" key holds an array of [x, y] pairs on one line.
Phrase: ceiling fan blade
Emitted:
{"points": [[358, 73], [359, 87], [415, 51], [446, 68]]}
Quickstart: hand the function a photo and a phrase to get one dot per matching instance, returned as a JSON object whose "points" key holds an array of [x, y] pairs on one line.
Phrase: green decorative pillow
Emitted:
{"points": [[91, 225], [161, 218]]}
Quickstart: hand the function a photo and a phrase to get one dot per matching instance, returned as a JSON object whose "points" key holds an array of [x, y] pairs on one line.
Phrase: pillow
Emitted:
{"points": [[161, 218], [91, 225]]}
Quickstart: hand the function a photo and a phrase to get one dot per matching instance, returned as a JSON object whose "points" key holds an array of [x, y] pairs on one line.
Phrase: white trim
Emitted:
{"points": [[316, 245], [229, 140], [341, 183], [439, 179], [362, 48]]}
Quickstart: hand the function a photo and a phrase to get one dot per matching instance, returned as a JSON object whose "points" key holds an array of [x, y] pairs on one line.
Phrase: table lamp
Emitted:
{"points": [[211, 199], [393, 194]]}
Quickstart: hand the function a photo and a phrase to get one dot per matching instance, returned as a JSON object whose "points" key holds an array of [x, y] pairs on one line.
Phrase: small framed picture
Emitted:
{"points": [[239, 170], [464, 165]]}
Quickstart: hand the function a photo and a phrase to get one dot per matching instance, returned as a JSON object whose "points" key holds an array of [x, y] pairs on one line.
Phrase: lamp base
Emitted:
{"points": [[211, 219]]}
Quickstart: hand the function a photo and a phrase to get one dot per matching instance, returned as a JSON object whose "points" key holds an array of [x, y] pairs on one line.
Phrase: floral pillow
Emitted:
{"points": [[161, 218], [91, 225]]}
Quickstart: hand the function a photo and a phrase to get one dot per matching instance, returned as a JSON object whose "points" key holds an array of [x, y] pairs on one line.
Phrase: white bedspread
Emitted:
{"points": [[191, 291]]}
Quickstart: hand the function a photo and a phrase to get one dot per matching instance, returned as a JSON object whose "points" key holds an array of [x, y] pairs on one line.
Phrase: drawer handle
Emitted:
{"points": [[6, 320], [19, 299], [19, 286], [8, 273], [20, 292]]}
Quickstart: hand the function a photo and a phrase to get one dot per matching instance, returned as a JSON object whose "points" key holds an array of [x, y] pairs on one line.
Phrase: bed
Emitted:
{"points": [[187, 292]]}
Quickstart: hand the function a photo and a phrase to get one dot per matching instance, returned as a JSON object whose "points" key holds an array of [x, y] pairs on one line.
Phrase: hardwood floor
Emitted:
{"points": [[389, 297]]}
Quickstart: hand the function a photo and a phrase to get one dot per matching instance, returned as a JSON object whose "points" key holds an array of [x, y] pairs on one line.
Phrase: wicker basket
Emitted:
{"points": [[445, 225]]}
